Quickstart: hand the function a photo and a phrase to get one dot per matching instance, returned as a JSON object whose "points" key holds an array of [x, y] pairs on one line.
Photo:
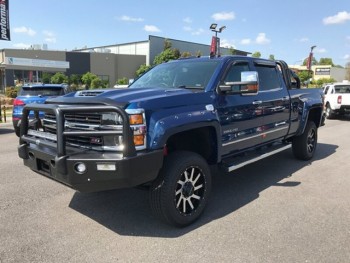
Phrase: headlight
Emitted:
{"points": [[111, 118], [138, 125]]}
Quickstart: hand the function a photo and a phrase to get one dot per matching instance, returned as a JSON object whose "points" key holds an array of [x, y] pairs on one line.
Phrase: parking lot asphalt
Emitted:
{"points": [[276, 210]]}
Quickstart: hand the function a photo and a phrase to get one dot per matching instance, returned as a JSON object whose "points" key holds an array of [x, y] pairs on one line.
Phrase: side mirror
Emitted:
{"points": [[248, 85]]}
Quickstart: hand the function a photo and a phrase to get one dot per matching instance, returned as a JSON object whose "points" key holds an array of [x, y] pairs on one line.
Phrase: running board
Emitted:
{"points": [[235, 163]]}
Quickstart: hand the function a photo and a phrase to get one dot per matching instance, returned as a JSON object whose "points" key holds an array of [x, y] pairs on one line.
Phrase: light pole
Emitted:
{"points": [[309, 64], [215, 47]]}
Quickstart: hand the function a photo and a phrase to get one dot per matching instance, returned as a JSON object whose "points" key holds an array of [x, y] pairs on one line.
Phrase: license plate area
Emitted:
{"points": [[44, 167]]}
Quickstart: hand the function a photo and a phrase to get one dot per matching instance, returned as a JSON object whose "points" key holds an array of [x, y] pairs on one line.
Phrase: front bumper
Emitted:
{"points": [[129, 171], [50, 155]]}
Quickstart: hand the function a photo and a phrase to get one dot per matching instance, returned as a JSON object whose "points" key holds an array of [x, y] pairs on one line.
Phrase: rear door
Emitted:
{"points": [[274, 101]]}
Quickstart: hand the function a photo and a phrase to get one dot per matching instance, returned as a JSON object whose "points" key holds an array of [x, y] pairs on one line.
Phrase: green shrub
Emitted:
{"points": [[11, 92], [122, 81], [97, 83]]}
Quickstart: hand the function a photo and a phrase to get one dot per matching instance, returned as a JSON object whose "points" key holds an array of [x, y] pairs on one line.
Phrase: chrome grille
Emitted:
{"points": [[76, 122]]}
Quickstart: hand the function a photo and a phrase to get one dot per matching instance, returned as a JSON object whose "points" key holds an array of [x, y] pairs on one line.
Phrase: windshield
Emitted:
{"points": [[179, 74], [342, 89], [38, 91]]}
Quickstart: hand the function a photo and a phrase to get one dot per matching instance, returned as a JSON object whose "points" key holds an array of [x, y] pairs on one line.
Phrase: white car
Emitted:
{"points": [[337, 99]]}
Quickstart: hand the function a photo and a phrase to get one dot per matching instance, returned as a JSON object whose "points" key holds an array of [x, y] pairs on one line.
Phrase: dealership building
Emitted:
{"points": [[323, 72], [109, 63]]}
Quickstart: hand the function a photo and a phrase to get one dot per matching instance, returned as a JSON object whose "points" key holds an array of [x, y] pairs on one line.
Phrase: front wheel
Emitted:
{"points": [[17, 131], [304, 145], [181, 191]]}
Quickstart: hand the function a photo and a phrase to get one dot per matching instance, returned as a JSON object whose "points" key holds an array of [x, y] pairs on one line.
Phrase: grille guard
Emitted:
{"points": [[59, 111]]}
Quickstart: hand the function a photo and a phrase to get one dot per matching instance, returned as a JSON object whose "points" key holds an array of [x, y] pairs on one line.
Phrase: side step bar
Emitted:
{"points": [[235, 163]]}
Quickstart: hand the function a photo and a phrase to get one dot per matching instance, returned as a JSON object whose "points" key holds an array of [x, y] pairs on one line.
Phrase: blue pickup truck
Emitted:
{"points": [[170, 126]]}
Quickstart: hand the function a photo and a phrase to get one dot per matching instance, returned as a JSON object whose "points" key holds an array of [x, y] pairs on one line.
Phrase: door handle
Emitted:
{"points": [[257, 102]]}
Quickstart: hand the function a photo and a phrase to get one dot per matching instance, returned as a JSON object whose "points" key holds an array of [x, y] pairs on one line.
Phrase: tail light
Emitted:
{"points": [[339, 99], [18, 102]]}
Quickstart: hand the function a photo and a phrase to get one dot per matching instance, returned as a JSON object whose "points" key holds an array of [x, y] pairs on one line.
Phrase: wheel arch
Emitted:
{"points": [[202, 140]]}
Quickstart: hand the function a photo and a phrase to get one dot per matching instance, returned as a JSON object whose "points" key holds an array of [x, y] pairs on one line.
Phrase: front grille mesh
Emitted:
{"points": [[81, 121]]}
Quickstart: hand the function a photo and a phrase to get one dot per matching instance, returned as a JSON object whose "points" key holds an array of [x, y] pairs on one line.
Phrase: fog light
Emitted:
{"points": [[80, 168], [106, 167]]}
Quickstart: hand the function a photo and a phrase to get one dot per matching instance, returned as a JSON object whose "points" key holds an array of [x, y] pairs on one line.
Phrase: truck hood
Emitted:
{"points": [[138, 98]]}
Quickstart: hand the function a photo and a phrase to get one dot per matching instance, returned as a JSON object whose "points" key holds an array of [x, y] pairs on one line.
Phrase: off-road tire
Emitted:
{"points": [[180, 193], [304, 145], [330, 114], [18, 131]]}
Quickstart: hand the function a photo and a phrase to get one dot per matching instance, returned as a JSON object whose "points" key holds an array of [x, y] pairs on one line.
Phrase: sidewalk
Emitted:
{"points": [[6, 124]]}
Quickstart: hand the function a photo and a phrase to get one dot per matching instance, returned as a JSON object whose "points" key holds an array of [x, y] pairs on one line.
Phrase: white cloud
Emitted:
{"points": [[187, 20], [304, 39], [246, 41], [339, 18], [131, 19], [49, 36], [320, 50], [261, 39], [25, 30], [346, 57], [226, 43], [150, 28], [198, 32], [21, 46], [223, 16]]}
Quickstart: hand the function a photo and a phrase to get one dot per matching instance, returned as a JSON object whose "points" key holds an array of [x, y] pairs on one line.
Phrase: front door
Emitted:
{"points": [[240, 117]]}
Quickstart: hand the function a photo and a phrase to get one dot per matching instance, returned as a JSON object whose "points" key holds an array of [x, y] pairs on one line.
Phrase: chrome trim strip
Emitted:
{"points": [[254, 136]]}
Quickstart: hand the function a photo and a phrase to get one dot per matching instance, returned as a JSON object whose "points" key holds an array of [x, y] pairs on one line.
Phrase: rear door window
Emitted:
{"points": [[269, 78], [342, 89]]}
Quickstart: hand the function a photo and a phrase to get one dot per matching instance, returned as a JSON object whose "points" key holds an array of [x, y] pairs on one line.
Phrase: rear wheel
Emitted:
{"points": [[181, 191], [304, 145], [330, 114]]}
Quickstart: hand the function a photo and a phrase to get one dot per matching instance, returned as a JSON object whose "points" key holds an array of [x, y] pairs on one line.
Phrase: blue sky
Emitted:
{"points": [[287, 29]]}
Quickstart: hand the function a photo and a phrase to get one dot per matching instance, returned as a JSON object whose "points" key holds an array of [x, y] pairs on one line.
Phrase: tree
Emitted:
{"points": [[59, 78], [87, 79], [74, 79], [167, 44], [166, 55], [272, 57], [256, 54], [46, 77], [348, 71], [232, 51], [304, 76], [326, 61], [186, 54], [314, 61], [321, 82], [142, 69], [97, 83], [122, 81]]}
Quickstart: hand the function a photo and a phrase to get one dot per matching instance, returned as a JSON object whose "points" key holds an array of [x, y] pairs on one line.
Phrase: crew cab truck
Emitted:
{"points": [[337, 99], [170, 126]]}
